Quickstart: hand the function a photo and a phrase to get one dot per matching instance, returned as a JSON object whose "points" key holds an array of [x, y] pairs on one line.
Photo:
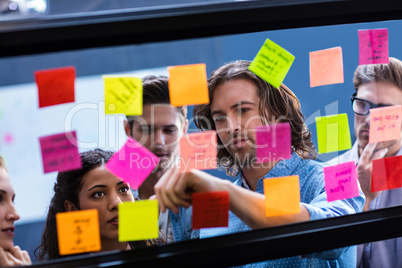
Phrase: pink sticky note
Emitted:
{"points": [[198, 151], [55, 86], [60, 152], [132, 163], [385, 123], [273, 143], [326, 67], [341, 181], [373, 46]]}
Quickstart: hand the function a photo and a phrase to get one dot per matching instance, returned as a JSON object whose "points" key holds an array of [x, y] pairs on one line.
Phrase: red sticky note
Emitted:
{"points": [[385, 123], [210, 210], [60, 152], [341, 181], [132, 163], [326, 67], [373, 46], [198, 151], [188, 84], [386, 173], [273, 142], [55, 86]]}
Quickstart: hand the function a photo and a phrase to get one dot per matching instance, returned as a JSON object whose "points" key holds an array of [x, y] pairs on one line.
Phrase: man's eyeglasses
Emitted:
{"points": [[362, 107]]}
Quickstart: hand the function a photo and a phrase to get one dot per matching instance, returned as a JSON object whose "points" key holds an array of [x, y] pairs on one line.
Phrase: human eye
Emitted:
{"points": [[170, 130], [243, 110], [124, 189], [219, 118], [98, 194]]}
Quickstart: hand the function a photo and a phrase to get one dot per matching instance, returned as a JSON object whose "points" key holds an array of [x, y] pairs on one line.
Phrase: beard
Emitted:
{"points": [[244, 156]]}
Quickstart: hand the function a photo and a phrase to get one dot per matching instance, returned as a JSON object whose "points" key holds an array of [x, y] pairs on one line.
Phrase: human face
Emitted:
{"points": [[379, 93], [103, 191], [8, 213], [235, 111], [159, 129]]}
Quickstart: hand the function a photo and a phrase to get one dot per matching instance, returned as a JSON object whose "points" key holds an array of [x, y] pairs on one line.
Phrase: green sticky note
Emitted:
{"points": [[333, 133], [123, 95], [272, 63], [138, 220]]}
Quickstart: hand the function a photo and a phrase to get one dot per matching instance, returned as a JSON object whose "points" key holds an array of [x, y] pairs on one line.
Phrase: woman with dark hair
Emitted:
{"points": [[91, 187]]}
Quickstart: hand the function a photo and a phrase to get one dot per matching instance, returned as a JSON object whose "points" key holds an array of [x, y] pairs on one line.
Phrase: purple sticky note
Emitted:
{"points": [[373, 46], [273, 143], [60, 152], [132, 163], [341, 181]]}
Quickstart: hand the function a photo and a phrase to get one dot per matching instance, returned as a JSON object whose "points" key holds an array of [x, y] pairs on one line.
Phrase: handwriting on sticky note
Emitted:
{"points": [[138, 220], [333, 133], [341, 181], [132, 163], [123, 95], [210, 209], [188, 84], [326, 67], [385, 123], [60, 152], [373, 46], [55, 86], [78, 231], [272, 63], [386, 173], [273, 142], [198, 151], [282, 196]]}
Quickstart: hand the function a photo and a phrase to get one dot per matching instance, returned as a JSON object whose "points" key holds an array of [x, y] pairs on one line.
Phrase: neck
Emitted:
{"points": [[256, 172], [112, 244], [146, 189]]}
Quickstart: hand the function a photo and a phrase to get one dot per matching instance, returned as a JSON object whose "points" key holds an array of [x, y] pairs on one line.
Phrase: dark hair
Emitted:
{"points": [[156, 91], [389, 73], [279, 103], [67, 187]]}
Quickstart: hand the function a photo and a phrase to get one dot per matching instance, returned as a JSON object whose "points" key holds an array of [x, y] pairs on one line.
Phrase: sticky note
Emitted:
{"points": [[385, 123], [138, 220], [373, 46], [188, 84], [132, 163], [326, 67], [60, 152], [282, 196], [333, 133], [123, 95], [273, 143], [55, 86], [198, 151], [210, 209], [386, 174], [78, 231], [341, 181], [272, 63]]}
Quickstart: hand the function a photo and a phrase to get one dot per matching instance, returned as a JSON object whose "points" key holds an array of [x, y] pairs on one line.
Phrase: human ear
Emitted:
{"points": [[127, 128], [69, 206], [185, 127]]}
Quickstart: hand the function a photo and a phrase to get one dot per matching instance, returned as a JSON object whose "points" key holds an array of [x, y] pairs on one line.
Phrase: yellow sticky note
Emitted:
{"points": [[138, 220], [272, 63], [282, 196], [188, 84], [123, 95], [333, 133], [326, 67], [78, 231]]}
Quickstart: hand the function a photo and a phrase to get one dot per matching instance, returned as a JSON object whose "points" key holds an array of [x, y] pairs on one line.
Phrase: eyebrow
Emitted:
{"points": [[101, 186], [240, 103]]}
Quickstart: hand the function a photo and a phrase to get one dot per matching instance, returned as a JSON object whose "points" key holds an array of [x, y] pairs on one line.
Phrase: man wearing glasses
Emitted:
{"points": [[376, 85]]}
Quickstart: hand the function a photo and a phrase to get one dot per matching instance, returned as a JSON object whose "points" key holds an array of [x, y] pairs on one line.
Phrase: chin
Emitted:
{"points": [[6, 245]]}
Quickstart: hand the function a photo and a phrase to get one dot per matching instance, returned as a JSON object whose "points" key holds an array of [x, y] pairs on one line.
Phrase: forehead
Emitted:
{"points": [[233, 92], [97, 176], [5, 183], [159, 114], [380, 92]]}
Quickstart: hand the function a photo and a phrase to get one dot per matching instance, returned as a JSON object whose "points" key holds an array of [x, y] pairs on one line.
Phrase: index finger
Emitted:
{"points": [[368, 152]]}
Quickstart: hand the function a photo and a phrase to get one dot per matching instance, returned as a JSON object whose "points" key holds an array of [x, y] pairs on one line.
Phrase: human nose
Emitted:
{"points": [[159, 138], [114, 202], [12, 214], [233, 123]]}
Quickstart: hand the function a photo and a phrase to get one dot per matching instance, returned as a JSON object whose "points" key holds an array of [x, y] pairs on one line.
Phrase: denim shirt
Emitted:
{"points": [[314, 199]]}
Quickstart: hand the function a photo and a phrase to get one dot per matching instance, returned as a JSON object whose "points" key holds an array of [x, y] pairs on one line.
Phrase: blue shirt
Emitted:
{"points": [[314, 198]]}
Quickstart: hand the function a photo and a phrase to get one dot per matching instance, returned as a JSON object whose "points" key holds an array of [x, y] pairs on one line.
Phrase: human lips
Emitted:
{"points": [[114, 220], [238, 141], [161, 154], [9, 231]]}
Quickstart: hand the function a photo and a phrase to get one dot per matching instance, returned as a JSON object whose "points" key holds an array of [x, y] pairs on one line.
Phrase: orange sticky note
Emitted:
{"points": [[55, 86], [282, 196], [198, 151], [326, 67], [210, 210], [188, 84], [78, 231], [385, 123]]}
